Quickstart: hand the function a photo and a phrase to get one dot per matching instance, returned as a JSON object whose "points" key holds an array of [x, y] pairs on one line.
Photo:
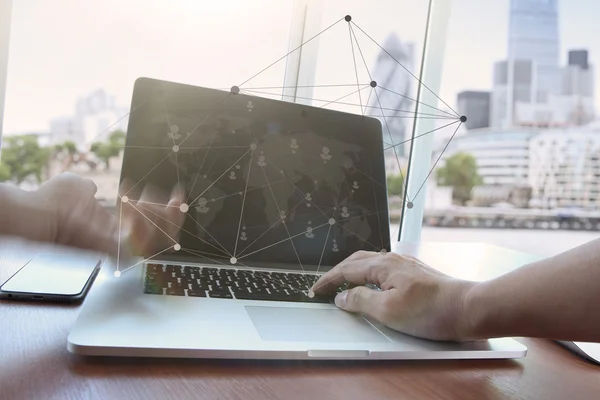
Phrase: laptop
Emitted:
{"points": [[277, 193]]}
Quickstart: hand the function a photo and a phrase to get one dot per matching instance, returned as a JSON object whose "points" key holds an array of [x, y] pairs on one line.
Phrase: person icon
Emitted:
{"points": [[243, 236], [282, 215], [249, 106], [294, 145], [201, 207], [232, 175], [335, 248], [308, 197], [309, 232], [325, 156], [345, 213], [262, 161], [355, 185], [173, 132]]}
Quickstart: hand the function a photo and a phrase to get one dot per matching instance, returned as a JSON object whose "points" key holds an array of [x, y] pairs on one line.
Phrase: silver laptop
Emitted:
{"points": [[277, 194]]}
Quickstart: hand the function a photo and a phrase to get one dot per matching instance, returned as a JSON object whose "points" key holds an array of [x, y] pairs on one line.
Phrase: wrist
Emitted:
{"points": [[473, 314]]}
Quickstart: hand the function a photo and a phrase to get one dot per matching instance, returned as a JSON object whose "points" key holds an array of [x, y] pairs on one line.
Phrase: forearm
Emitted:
{"points": [[557, 298], [23, 214]]}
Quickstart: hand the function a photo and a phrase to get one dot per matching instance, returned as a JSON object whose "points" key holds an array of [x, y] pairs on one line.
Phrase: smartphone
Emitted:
{"points": [[53, 277]]}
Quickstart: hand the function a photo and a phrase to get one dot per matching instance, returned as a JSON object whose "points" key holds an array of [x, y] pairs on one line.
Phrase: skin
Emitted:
{"points": [[64, 211], [554, 298]]}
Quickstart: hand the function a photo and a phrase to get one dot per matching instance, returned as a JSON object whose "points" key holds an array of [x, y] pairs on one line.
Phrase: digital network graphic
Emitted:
{"points": [[245, 193]]}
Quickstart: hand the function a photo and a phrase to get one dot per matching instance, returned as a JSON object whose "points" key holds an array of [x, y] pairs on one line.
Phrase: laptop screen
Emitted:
{"points": [[267, 182]]}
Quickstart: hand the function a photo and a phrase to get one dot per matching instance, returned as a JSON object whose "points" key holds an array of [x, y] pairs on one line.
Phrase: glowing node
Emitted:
{"points": [[235, 90], [311, 294], [463, 118], [175, 148], [177, 247], [233, 260], [348, 18], [331, 221], [124, 199], [373, 84], [184, 208], [117, 274], [253, 146], [240, 193], [383, 252], [410, 205]]}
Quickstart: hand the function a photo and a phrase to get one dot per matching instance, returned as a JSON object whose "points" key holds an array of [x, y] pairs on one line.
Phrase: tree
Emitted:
{"points": [[24, 157], [460, 172], [68, 152], [112, 148], [395, 185], [5, 174]]}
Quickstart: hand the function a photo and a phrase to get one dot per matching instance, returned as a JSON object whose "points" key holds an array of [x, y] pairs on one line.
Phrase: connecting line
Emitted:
{"points": [[302, 44], [114, 123], [422, 134], [145, 176], [380, 184], [270, 227], [188, 232], [237, 237], [406, 69], [203, 120], [211, 236], [296, 86], [251, 190], [358, 236], [368, 99], [147, 259], [343, 97], [412, 113], [355, 69], [152, 222], [284, 225], [417, 101], [322, 253], [438, 159], [216, 180]]}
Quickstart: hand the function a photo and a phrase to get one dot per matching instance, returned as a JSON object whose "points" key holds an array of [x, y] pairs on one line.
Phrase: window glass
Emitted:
{"points": [[72, 67], [520, 172]]}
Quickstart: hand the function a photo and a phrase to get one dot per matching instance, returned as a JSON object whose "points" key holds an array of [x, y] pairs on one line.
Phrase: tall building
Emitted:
{"points": [[476, 106], [388, 74], [513, 82], [534, 35], [579, 58], [578, 75]]}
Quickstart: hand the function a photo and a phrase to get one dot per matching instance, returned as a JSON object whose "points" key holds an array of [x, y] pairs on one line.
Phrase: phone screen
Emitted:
{"points": [[53, 274]]}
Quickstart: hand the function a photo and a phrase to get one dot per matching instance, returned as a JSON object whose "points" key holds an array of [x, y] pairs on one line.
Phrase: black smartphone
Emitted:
{"points": [[53, 277]]}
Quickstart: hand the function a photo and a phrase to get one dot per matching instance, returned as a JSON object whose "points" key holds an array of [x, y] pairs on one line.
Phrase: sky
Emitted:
{"points": [[61, 50]]}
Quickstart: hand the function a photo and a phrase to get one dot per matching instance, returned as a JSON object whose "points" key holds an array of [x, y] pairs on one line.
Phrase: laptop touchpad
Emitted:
{"points": [[312, 325]]}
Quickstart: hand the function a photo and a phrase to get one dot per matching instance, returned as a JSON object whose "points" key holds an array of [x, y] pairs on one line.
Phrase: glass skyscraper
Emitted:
{"points": [[533, 35]]}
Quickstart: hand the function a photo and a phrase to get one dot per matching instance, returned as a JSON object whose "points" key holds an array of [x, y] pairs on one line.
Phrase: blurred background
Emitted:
{"points": [[523, 172]]}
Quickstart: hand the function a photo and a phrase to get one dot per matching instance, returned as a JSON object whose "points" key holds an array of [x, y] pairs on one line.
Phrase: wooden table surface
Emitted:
{"points": [[35, 363]]}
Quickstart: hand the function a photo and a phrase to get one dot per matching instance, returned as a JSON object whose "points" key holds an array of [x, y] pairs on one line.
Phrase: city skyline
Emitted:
{"points": [[32, 100]]}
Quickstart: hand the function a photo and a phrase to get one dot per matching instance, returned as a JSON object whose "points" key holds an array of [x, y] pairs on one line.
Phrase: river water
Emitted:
{"points": [[537, 242]]}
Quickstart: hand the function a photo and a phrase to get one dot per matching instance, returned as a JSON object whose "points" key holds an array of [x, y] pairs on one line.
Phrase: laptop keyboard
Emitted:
{"points": [[229, 283]]}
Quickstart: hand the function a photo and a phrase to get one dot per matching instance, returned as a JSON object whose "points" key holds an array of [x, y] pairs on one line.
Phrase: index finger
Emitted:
{"points": [[357, 271]]}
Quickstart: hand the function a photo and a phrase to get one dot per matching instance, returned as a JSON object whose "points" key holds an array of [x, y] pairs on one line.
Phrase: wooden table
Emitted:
{"points": [[35, 364]]}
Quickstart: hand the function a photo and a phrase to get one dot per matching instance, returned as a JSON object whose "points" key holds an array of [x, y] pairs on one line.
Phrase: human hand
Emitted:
{"points": [[77, 219], [414, 299]]}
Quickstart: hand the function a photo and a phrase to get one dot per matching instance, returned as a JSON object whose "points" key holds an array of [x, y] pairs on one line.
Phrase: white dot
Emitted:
{"points": [[311, 294], [175, 148], [237, 166], [331, 221], [204, 176], [117, 274], [233, 260], [240, 193], [335, 208], [383, 251], [177, 247], [184, 208], [253, 146], [124, 199], [409, 205]]}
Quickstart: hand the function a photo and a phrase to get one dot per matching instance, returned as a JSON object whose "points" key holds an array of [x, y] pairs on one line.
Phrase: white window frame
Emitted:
{"points": [[5, 19]]}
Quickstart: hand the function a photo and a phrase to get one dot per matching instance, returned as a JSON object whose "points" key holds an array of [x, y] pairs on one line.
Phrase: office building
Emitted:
{"points": [[579, 58], [388, 74], [564, 168], [513, 82], [95, 115], [476, 106], [534, 35]]}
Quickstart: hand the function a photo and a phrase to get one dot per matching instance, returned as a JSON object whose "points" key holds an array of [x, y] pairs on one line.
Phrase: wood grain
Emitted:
{"points": [[35, 364]]}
